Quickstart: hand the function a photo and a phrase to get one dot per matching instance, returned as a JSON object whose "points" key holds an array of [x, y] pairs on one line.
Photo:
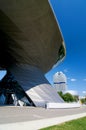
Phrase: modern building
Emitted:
{"points": [[60, 81], [31, 42]]}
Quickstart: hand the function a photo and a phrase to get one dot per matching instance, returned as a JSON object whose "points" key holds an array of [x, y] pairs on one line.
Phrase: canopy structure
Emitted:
{"points": [[29, 36]]}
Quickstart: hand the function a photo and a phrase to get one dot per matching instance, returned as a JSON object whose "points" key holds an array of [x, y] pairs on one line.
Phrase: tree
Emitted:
{"points": [[83, 100], [60, 94], [68, 97], [76, 98]]}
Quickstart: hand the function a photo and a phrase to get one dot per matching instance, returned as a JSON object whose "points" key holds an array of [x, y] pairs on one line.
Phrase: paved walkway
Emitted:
{"points": [[30, 118]]}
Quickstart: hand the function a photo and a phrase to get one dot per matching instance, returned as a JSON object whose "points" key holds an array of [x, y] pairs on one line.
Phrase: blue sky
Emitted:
{"points": [[71, 15]]}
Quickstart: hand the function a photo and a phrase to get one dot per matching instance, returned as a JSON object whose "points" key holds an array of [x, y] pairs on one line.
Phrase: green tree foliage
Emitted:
{"points": [[67, 97], [61, 94], [76, 98], [83, 100]]}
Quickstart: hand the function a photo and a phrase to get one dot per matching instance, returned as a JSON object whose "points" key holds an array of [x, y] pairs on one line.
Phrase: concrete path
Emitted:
{"points": [[30, 118]]}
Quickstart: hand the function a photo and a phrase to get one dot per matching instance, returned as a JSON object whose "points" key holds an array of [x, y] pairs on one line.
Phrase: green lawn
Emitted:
{"points": [[79, 124]]}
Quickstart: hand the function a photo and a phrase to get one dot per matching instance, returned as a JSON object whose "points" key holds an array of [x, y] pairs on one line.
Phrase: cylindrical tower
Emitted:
{"points": [[60, 81]]}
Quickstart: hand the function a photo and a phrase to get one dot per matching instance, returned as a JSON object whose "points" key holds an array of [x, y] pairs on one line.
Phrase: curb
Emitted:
{"points": [[38, 124]]}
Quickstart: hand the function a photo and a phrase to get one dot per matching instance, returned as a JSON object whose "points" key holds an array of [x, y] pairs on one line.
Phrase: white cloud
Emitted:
{"points": [[73, 80], [84, 92], [84, 79], [65, 70]]}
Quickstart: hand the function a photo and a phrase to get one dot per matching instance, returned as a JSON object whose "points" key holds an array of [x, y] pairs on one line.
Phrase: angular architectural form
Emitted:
{"points": [[30, 44]]}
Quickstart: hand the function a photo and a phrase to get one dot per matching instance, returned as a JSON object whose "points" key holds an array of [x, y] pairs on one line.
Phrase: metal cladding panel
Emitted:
{"points": [[30, 44], [29, 34], [28, 76], [36, 86], [43, 94]]}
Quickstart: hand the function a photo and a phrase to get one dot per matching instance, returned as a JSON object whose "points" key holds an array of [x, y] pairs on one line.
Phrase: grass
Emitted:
{"points": [[79, 124]]}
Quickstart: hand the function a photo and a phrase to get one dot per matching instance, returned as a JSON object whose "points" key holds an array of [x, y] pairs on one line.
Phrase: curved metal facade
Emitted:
{"points": [[29, 35]]}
